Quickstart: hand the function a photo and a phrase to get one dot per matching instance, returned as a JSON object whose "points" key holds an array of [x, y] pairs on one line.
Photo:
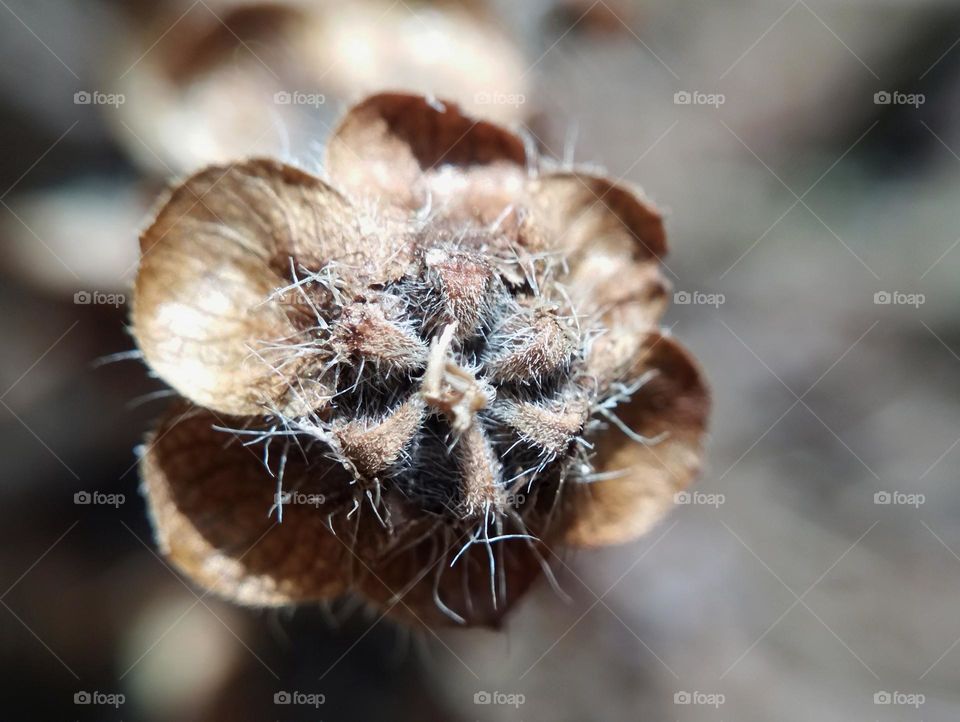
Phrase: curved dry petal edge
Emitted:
{"points": [[624, 293], [613, 241], [583, 213], [643, 477], [388, 144], [209, 40], [210, 499], [204, 310]]}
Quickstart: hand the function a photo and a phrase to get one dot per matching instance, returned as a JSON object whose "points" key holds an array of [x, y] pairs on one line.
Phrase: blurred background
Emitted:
{"points": [[806, 152]]}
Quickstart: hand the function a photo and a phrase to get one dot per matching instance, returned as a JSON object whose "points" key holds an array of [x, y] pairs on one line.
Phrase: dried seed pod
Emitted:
{"points": [[459, 394]]}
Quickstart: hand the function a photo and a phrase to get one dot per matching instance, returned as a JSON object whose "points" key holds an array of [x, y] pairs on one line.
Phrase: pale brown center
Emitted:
{"points": [[451, 389]]}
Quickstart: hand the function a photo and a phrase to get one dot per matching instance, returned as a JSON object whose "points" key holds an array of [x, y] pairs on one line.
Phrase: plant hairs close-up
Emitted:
{"points": [[479, 360], [417, 379]]}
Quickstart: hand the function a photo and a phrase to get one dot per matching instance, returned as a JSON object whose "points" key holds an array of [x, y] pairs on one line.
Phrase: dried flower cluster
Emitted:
{"points": [[416, 381]]}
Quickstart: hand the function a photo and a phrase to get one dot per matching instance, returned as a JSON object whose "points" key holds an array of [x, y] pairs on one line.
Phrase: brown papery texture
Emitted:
{"points": [[415, 381]]}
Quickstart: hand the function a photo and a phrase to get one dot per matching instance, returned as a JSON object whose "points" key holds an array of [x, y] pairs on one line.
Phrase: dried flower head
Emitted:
{"points": [[418, 381]]}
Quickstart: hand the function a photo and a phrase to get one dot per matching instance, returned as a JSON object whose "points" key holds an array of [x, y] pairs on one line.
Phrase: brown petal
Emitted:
{"points": [[419, 586], [210, 500], [624, 292], [207, 60], [613, 240], [405, 150], [674, 402], [203, 93], [220, 246], [584, 212]]}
